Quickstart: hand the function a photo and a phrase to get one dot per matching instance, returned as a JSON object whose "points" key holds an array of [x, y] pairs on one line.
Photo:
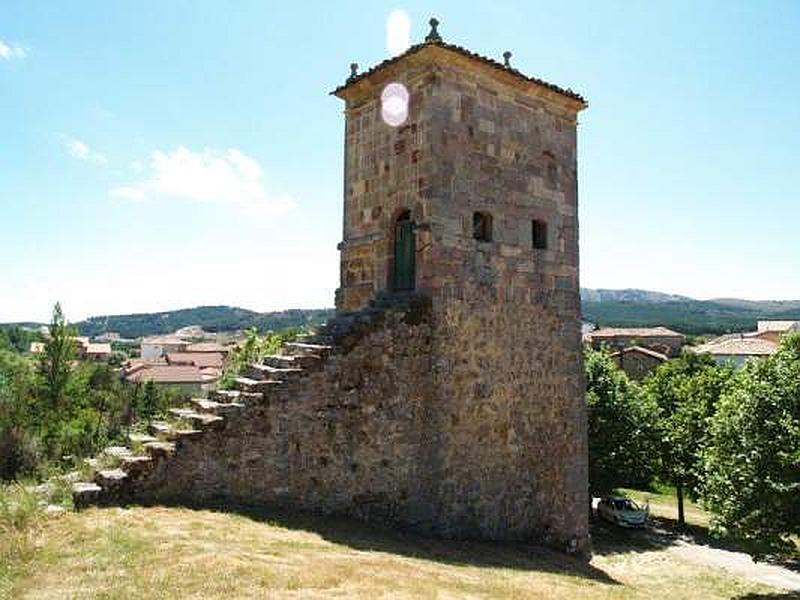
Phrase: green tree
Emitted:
{"points": [[622, 442], [686, 390], [19, 451], [753, 461], [55, 363]]}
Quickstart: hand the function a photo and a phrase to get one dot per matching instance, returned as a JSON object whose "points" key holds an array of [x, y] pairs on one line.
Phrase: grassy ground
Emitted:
{"points": [[185, 553]]}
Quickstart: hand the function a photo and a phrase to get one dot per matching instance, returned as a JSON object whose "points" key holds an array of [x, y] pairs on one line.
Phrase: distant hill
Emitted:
{"points": [[628, 295], [210, 318], [641, 308], [619, 308]]}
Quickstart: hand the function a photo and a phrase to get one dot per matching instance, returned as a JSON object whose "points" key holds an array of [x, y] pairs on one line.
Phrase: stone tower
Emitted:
{"points": [[447, 394], [467, 195]]}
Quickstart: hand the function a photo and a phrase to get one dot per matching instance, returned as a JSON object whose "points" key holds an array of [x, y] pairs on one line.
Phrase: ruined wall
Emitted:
{"points": [[359, 437]]}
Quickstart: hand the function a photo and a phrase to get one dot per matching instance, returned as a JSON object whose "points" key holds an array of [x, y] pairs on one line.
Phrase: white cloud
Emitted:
{"points": [[228, 177], [9, 51], [81, 151]]}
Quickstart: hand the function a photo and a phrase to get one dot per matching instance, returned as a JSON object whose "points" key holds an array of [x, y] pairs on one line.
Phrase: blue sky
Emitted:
{"points": [[157, 155]]}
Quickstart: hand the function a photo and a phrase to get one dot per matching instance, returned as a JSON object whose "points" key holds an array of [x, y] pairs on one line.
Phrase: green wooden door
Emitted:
{"points": [[404, 248]]}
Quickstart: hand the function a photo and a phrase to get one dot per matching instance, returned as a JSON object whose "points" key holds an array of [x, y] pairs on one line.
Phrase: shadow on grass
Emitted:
{"points": [[372, 538]]}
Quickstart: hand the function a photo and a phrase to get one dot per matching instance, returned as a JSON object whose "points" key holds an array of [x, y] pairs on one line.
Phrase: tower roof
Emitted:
{"points": [[434, 40]]}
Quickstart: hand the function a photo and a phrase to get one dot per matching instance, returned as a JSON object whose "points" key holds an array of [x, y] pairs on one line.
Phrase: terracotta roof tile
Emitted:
{"points": [[640, 350], [168, 374], [198, 359], [738, 346], [641, 332]]}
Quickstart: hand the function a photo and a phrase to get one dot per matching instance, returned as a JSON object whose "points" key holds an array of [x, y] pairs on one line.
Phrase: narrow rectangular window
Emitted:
{"points": [[539, 232], [482, 226]]}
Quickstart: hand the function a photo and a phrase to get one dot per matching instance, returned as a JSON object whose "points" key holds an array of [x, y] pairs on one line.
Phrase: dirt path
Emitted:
{"points": [[738, 563]]}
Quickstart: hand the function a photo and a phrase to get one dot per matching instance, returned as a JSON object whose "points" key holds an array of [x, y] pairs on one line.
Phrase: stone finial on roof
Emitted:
{"points": [[353, 71], [507, 59], [433, 36]]}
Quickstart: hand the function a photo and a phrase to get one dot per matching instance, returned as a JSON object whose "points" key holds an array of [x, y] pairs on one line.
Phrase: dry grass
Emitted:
{"points": [[184, 553]]}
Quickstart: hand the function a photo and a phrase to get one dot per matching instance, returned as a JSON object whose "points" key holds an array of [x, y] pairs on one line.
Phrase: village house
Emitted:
{"points": [[84, 349], [198, 359], [208, 348], [774, 330], [188, 378], [155, 348], [659, 339], [637, 362], [737, 348]]}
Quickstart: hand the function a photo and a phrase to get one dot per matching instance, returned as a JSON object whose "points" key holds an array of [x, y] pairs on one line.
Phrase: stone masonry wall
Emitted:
{"points": [[358, 437], [507, 336]]}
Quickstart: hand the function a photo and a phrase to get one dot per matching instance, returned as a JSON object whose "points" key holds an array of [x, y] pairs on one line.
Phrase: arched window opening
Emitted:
{"points": [[482, 226]]}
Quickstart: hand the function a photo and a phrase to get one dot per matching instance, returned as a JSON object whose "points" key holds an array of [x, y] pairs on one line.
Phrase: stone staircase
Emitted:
{"points": [[119, 472]]}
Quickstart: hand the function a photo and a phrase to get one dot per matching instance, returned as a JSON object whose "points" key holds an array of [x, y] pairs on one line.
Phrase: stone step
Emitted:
{"points": [[216, 408], [304, 349], [136, 464], [230, 396], [248, 384], [117, 452], [297, 361], [110, 478], [182, 413], [85, 494], [160, 430], [141, 438], [198, 420], [159, 449], [266, 372]]}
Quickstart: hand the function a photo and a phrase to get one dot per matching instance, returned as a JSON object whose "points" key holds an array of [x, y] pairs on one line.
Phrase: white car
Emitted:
{"points": [[623, 511]]}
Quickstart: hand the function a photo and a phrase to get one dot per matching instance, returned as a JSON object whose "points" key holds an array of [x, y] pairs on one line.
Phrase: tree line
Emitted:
{"points": [[730, 439]]}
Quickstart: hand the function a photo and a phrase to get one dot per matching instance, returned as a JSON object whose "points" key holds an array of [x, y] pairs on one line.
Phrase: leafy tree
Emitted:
{"points": [[18, 445], [686, 391], [622, 442], [753, 461], [55, 363]]}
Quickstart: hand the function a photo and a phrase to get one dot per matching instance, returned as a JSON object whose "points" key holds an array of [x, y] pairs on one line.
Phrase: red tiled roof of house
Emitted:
{"points": [[634, 332], [167, 374], [640, 350], [198, 359], [738, 346]]}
